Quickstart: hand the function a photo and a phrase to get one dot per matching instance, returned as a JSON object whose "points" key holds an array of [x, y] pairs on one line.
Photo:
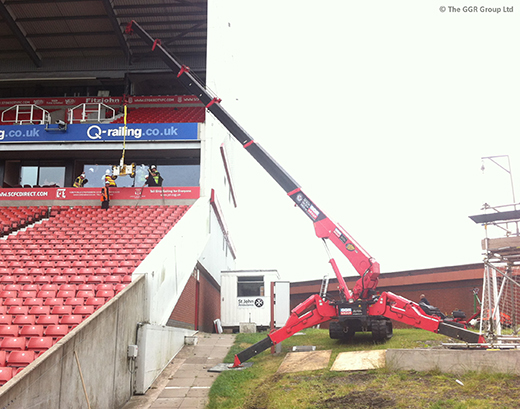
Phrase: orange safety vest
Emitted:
{"points": [[104, 194]]}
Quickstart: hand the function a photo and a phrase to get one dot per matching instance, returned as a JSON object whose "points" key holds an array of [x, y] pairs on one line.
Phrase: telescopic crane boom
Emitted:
{"points": [[360, 308]]}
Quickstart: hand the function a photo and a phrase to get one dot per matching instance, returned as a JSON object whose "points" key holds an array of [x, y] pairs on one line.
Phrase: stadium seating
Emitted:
{"points": [[48, 287], [163, 115]]}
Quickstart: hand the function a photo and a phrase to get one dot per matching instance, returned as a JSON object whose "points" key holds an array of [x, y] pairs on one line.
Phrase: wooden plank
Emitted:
{"points": [[359, 360], [304, 361], [501, 243]]}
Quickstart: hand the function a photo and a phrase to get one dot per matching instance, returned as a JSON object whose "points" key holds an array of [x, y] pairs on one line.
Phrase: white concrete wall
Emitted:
{"points": [[157, 347], [216, 257], [169, 265]]}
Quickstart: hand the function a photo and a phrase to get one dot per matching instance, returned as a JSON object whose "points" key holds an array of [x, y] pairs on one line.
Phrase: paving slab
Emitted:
{"points": [[185, 382], [304, 361], [359, 360]]}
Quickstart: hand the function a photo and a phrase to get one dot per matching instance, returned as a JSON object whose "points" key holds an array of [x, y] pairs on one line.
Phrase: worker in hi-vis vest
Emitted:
{"points": [[105, 196], [80, 180], [154, 177]]}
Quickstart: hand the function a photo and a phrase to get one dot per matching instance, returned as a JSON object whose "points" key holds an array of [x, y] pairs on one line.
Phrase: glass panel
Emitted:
{"points": [[52, 175], [173, 175], [29, 175], [180, 175], [250, 286], [95, 174]]}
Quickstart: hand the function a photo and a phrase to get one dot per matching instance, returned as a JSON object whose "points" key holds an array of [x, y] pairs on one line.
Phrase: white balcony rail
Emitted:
{"points": [[91, 113], [26, 114]]}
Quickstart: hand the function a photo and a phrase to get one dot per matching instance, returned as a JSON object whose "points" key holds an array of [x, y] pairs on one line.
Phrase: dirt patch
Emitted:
{"points": [[358, 400], [260, 398], [356, 378]]}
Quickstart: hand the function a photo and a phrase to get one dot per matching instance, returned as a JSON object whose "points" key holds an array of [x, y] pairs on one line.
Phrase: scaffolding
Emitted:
{"points": [[500, 304]]}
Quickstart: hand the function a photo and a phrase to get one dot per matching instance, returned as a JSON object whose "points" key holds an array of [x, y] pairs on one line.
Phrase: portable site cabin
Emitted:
{"points": [[246, 298]]}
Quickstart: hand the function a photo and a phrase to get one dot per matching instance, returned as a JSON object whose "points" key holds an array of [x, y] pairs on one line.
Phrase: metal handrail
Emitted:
{"points": [[21, 112], [88, 109]]}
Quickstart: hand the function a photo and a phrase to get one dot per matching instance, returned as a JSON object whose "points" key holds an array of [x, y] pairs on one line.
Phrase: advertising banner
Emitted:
{"points": [[116, 193], [111, 101], [98, 133]]}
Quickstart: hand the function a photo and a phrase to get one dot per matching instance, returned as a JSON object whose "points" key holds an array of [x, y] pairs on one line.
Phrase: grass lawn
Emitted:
{"points": [[260, 387]]}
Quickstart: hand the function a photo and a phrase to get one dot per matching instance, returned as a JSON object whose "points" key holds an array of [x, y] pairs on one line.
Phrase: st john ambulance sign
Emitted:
{"points": [[250, 302]]}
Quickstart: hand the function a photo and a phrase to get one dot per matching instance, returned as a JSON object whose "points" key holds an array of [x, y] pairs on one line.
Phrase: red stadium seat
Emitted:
{"points": [[84, 310], [8, 294], [74, 301], [40, 310], [3, 357], [65, 294], [78, 279], [48, 320], [112, 279], [8, 280], [31, 302], [31, 331], [119, 287], [68, 287], [107, 294], [27, 294], [56, 331], [20, 358], [46, 294], [71, 320], [6, 373], [15, 343], [8, 302], [60, 279], [24, 320], [103, 271], [42, 279], [95, 279], [85, 293], [18, 310], [95, 301], [6, 319], [9, 330], [61, 310], [39, 343], [31, 287], [53, 301]]}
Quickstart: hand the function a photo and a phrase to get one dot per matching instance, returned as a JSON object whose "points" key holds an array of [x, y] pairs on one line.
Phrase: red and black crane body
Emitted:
{"points": [[359, 309]]}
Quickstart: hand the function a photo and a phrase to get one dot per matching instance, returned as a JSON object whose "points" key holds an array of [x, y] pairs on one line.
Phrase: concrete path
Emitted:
{"points": [[185, 382]]}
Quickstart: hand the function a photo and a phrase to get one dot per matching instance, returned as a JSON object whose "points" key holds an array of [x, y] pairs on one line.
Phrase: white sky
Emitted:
{"points": [[381, 111]]}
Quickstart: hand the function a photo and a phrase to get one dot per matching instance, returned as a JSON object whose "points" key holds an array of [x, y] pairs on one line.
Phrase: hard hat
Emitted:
{"points": [[153, 167]]}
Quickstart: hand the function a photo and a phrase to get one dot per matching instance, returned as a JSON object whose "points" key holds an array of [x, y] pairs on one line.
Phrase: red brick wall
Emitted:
{"points": [[183, 315], [209, 302]]}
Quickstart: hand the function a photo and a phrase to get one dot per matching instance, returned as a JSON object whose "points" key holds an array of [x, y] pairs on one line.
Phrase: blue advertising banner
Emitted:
{"points": [[98, 132]]}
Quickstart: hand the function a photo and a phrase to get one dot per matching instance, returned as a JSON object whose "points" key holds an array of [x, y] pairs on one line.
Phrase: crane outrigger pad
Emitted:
{"points": [[229, 367]]}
